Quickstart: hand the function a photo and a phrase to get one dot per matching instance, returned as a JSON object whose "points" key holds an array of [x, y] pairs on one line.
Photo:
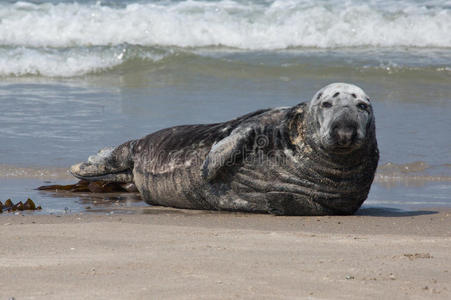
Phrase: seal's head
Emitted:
{"points": [[341, 118]]}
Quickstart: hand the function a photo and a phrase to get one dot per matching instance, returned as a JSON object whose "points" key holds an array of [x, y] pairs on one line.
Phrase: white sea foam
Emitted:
{"points": [[72, 39], [68, 62], [240, 24], [25, 61]]}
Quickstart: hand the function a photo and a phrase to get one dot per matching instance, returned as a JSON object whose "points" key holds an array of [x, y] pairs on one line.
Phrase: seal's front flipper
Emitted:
{"points": [[226, 152], [109, 164]]}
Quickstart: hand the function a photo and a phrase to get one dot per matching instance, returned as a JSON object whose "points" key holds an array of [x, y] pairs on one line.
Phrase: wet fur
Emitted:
{"points": [[269, 161]]}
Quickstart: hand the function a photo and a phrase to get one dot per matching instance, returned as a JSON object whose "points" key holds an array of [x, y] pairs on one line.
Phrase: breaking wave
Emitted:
{"points": [[239, 24], [69, 62], [61, 38]]}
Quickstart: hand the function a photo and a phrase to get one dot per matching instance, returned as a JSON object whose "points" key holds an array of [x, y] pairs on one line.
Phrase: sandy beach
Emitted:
{"points": [[81, 75], [163, 253]]}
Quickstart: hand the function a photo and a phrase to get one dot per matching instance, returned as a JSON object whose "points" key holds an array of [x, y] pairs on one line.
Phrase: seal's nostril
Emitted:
{"points": [[345, 135]]}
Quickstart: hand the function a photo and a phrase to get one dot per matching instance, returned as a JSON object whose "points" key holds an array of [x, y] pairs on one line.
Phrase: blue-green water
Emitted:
{"points": [[78, 76]]}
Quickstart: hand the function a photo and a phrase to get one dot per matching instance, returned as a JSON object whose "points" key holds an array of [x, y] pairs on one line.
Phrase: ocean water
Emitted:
{"points": [[76, 76]]}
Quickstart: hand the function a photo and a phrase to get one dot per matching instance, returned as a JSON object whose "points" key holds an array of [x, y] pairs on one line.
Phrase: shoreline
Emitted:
{"points": [[181, 254]]}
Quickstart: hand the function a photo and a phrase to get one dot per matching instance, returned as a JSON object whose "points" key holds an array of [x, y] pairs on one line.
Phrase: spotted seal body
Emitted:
{"points": [[315, 158]]}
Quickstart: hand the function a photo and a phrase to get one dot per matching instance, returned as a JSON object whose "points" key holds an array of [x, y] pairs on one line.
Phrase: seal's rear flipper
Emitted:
{"points": [[109, 164]]}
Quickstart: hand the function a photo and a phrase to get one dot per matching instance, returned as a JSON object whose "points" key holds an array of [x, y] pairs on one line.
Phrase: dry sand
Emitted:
{"points": [[162, 253]]}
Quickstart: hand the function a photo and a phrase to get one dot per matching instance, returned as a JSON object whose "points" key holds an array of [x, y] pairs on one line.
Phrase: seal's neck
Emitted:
{"points": [[336, 182]]}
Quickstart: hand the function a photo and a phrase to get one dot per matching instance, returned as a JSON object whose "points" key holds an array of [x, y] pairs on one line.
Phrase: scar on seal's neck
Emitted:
{"points": [[296, 126]]}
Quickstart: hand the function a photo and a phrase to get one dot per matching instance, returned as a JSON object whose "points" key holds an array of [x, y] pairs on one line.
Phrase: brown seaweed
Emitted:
{"points": [[81, 186], [29, 205], [19, 206], [9, 203], [9, 206]]}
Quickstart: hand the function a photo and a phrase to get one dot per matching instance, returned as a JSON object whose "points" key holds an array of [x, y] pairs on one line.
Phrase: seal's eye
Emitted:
{"points": [[362, 106], [326, 104]]}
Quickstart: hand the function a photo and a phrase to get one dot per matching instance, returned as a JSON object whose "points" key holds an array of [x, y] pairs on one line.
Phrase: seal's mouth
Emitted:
{"points": [[342, 149], [342, 145]]}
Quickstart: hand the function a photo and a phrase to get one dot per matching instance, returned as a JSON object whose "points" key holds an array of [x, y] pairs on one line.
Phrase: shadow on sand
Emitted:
{"points": [[364, 211], [392, 212]]}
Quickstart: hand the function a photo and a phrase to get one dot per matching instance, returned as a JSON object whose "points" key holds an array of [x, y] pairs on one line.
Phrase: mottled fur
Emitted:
{"points": [[310, 159]]}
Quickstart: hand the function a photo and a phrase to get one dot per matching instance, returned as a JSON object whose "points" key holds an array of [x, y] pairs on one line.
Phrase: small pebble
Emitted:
{"points": [[349, 277]]}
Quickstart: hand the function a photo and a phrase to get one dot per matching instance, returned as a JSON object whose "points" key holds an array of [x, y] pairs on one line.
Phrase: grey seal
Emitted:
{"points": [[314, 158]]}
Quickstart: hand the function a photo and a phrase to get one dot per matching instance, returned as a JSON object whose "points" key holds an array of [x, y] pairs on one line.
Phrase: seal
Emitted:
{"points": [[315, 158]]}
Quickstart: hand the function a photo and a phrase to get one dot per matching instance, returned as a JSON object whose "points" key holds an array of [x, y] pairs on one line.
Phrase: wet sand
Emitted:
{"points": [[163, 253]]}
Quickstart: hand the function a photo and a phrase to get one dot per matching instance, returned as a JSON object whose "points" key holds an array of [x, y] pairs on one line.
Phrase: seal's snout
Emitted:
{"points": [[344, 134]]}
